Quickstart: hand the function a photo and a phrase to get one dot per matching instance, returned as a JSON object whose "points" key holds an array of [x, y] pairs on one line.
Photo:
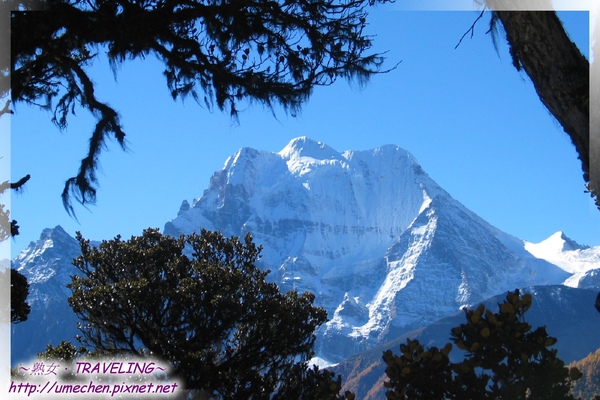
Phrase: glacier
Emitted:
{"points": [[384, 248]]}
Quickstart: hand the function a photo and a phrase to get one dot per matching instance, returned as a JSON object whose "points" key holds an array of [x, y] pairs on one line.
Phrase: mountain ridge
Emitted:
{"points": [[568, 314], [369, 232], [359, 229]]}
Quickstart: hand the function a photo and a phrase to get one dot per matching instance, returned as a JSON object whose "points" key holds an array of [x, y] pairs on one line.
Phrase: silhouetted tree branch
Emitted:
{"points": [[219, 52]]}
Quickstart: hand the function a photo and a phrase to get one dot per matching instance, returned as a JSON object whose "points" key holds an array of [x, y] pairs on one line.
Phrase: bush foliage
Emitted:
{"points": [[504, 359], [200, 303]]}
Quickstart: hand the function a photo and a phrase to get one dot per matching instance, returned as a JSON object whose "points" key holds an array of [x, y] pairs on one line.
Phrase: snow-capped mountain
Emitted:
{"points": [[581, 261], [47, 265], [384, 248]]}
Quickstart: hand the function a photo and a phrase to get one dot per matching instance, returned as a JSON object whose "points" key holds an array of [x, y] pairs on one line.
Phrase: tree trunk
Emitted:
{"points": [[595, 117], [540, 46]]}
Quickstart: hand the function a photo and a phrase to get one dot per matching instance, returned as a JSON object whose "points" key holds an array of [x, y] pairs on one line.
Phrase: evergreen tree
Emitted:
{"points": [[504, 359], [225, 330]]}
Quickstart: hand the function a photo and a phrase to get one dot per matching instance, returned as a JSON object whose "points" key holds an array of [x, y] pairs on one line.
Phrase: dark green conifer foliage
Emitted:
{"points": [[504, 359], [221, 53], [212, 315], [19, 290]]}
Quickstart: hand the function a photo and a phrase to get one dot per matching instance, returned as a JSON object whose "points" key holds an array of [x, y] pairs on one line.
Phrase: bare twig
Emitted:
{"points": [[471, 29]]}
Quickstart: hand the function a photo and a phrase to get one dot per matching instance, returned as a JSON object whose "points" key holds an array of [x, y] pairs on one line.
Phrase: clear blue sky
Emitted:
{"points": [[474, 123]]}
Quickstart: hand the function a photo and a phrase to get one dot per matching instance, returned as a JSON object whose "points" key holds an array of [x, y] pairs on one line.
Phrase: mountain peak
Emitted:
{"points": [[559, 242], [50, 233], [306, 147], [570, 244], [50, 237], [52, 240]]}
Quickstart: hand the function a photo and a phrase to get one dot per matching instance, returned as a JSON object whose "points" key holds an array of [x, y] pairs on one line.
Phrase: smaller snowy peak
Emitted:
{"points": [[555, 244], [562, 242], [564, 252], [48, 263], [303, 147], [48, 266], [51, 239]]}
